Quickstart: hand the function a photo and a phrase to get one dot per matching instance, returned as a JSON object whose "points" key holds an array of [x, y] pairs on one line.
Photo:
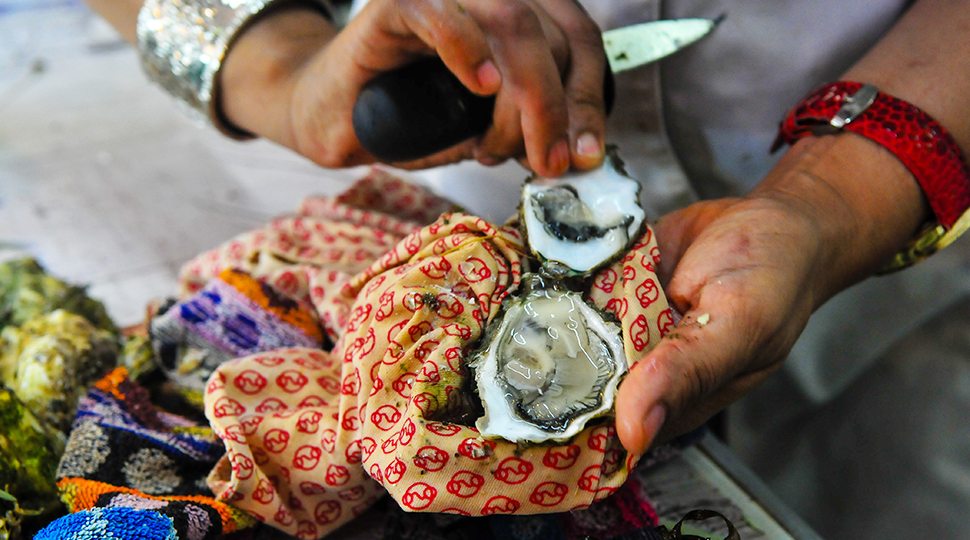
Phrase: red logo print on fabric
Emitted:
{"points": [[600, 438], [665, 322], [426, 402], [328, 439], [424, 350], [275, 440], [283, 516], [606, 280], [309, 421], [647, 293], [629, 273], [241, 466], [350, 422], [419, 496], [418, 331], [264, 492], [453, 356], [337, 475], [474, 270], [306, 531], [465, 484], [513, 470], [590, 479], [445, 430], [403, 384], [352, 493], [561, 457], [413, 301], [618, 306], [216, 383], [394, 471], [376, 474], [270, 361], [270, 405], [639, 333], [385, 306], [549, 494], [351, 384], [354, 452], [389, 445], [311, 402], [327, 512], [431, 458], [373, 284], [307, 457], [250, 424], [233, 433], [436, 268], [226, 406], [500, 504], [458, 330], [309, 488], [360, 314], [476, 448], [449, 306], [260, 456], [249, 382], [287, 283], [428, 373], [291, 381], [385, 417]]}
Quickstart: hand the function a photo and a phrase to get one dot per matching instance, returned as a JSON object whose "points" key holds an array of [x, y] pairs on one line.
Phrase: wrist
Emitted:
{"points": [[862, 201], [261, 68]]}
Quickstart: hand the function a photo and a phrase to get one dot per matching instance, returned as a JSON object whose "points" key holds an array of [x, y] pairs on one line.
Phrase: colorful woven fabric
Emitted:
{"points": [[314, 438], [234, 315], [123, 452], [110, 524]]}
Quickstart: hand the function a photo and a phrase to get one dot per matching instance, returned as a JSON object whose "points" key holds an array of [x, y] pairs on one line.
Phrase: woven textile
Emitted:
{"points": [[110, 524]]}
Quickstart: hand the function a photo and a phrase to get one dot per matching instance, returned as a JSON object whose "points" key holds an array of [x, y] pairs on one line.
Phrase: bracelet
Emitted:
{"points": [[927, 150], [182, 44]]}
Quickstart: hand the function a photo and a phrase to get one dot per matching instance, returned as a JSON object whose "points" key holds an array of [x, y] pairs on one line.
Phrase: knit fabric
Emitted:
{"points": [[110, 524], [313, 438], [123, 452], [234, 315]]}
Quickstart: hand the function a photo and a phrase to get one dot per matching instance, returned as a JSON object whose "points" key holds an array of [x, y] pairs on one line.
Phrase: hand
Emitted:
{"points": [[543, 59], [747, 274]]}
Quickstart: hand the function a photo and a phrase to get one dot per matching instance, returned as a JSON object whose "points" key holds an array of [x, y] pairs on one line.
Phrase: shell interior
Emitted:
{"points": [[553, 364], [582, 220]]}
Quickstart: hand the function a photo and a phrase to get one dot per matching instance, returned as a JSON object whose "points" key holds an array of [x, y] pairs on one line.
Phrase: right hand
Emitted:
{"points": [[542, 59]]}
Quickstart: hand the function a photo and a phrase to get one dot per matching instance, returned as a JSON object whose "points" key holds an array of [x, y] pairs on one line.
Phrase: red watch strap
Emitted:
{"points": [[920, 142]]}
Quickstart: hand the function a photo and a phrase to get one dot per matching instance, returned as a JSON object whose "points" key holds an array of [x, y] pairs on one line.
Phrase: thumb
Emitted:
{"points": [[685, 380]]}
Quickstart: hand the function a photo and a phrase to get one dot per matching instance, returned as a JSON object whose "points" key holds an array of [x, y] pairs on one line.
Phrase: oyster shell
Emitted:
{"points": [[582, 220], [552, 362]]}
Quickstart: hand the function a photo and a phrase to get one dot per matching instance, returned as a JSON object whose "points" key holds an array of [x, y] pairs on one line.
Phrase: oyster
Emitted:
{"points": [[551, 363], [582, 220]]}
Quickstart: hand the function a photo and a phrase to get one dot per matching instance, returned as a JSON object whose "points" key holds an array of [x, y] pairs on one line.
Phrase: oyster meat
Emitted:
{"points": [[551, 363], [582, 220]]}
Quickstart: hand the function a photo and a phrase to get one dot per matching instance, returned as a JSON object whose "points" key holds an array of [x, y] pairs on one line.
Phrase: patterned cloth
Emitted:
{"points": [[110, 524], [123, 452], [314, 438], [234, 315]]}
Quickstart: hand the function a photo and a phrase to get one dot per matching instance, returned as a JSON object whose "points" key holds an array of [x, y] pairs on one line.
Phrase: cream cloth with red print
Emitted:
{"points": [[313, 438]]}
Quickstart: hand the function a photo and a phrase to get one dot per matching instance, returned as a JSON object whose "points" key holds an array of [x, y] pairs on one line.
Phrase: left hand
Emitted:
{"points": [[747, 273]]}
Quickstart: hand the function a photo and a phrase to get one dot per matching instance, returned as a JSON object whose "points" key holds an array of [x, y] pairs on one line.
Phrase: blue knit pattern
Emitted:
{"points": [[117, 523]]}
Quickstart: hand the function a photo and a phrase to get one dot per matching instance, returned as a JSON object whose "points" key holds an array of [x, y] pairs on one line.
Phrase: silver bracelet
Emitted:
{"points": [[183, 43]]}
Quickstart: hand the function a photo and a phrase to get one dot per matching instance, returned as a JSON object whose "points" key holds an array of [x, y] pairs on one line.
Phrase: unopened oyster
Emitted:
{"points": [[550, 364], [582, 220]]}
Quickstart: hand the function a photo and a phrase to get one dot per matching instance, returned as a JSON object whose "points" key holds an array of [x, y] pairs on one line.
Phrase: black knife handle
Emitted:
{"points": [[422, 108]]}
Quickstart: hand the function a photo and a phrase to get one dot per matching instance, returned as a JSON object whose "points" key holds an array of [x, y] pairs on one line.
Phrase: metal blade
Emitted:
{"points": [[633, 46]]}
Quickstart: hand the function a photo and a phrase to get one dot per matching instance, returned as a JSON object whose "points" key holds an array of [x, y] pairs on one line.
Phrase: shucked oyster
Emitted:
{"points": [[582, 220], [551, 363]]}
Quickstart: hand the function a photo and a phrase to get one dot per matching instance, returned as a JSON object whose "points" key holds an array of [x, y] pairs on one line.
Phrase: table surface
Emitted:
{"points": [[104, 181]]}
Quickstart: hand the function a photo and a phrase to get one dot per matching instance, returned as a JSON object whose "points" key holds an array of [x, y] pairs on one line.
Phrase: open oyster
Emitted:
{"points": [[582, 220], [551, 363]]}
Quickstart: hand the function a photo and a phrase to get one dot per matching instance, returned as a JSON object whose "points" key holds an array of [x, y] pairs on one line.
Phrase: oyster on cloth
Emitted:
{"points": [[582, 220], [552, 363]]}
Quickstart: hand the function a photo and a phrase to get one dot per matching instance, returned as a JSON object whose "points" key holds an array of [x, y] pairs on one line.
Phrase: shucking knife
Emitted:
{"points": [[422, 108]]}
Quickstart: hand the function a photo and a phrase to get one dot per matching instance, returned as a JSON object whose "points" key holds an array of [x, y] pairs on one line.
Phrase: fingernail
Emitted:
{"points": [[558, 160], [652, 423], [587, 145], [488, 76]]}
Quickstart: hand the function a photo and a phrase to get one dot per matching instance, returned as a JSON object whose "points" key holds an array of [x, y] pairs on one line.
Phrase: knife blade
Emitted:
{"points": [[422, 108]]}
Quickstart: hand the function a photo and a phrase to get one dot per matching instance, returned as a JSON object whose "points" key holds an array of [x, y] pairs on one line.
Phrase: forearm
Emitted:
{"points": [[872, 204], [122, 14]]}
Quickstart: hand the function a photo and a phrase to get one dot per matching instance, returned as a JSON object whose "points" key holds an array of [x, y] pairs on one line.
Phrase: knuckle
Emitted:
{"points": [[514, 18], [583, 30], [587, 97]]}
